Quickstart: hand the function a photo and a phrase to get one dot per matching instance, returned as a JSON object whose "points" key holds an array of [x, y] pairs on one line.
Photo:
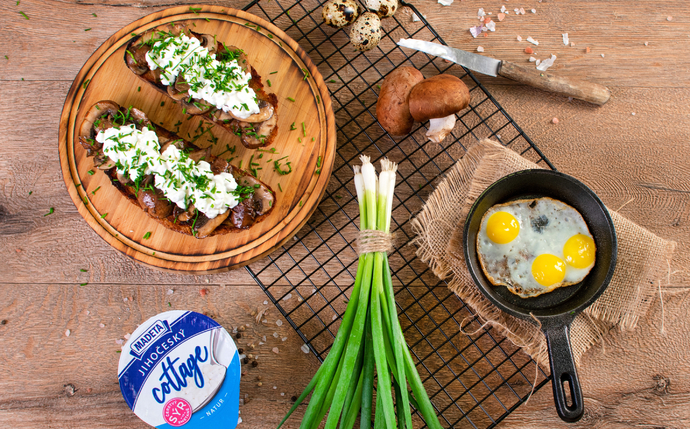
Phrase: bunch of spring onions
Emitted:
{"points": [[370, 337]]}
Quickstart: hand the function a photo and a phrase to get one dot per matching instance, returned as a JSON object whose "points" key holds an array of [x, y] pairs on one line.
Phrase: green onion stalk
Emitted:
{"points": [[370, 340]]}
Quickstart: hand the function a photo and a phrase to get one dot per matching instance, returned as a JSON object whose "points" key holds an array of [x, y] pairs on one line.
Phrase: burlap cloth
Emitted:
{"points": [[643, 258]]}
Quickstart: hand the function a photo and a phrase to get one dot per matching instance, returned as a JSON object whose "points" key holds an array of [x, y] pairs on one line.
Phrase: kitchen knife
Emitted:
{"points": [[580, 89]]}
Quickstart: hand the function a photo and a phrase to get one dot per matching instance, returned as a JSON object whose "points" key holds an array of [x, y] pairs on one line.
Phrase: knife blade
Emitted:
{"points": [[580, 89], [474, 62]]}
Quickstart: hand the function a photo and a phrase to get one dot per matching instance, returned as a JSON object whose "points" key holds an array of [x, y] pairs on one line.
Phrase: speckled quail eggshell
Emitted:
{"points": [[383, 8], [339, 13], [366, 32]]}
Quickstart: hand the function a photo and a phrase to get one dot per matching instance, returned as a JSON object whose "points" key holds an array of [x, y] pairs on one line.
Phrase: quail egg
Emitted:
{"points": [[339, 13], [366, 32], [383, 8]]}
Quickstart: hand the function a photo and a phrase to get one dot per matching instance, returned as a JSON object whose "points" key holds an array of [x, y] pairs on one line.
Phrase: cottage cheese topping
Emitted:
{"points": [[223, 84], [182, 180]]}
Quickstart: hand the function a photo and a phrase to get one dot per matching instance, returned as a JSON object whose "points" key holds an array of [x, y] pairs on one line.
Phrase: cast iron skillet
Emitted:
{"points": [[555, 310]]}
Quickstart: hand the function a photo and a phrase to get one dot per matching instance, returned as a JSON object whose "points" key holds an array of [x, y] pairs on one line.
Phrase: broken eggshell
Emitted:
{"points": [[366, 32], [383, 8]]}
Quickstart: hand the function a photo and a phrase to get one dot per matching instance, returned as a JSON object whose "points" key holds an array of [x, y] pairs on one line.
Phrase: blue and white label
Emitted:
{"points": [[181, 357]]}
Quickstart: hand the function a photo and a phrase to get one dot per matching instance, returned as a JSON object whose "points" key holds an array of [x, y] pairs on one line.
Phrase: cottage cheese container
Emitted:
{"points": [[181, 369]]}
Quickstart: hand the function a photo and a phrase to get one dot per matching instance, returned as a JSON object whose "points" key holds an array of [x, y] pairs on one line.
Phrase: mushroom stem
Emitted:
{"points": [[439, 128]]}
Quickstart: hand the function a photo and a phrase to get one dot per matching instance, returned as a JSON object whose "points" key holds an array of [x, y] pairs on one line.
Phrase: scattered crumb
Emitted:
{"points": [[554, 121], [67, 332], [203, 292], [259, 384], [501, 16], [529, 50], [480, 49], [275, 350], [587, 50], [572, 44]]}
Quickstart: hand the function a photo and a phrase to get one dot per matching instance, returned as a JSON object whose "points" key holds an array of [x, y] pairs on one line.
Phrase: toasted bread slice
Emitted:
{"points": [[252, 210], [259, 130]]}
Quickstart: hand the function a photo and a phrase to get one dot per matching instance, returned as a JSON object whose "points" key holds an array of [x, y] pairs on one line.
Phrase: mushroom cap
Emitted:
{"points": [[437, 97], [392, 108]]}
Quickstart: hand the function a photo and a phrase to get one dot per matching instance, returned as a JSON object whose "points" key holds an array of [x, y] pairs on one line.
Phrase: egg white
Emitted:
{"points": [[545, 226]]}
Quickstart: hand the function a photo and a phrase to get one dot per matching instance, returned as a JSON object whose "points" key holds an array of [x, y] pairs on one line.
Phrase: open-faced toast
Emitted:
{"points": [[145, 177], [206, 78]]}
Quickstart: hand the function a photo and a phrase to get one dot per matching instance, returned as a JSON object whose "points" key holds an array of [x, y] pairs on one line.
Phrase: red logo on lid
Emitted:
{"points": [[177, 412]]}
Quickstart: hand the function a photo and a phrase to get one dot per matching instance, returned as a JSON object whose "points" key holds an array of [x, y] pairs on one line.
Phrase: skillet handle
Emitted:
{"points": [[563, 370]]}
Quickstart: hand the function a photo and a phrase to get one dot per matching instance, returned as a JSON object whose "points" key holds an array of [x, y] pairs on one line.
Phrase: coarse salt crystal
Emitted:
{"points": [[646, 43], [501, 16], [127, 336], [276, 335], [275, 350], [517, 11], [534, 11], [67, 332], [519, 38], [275, 387], [282, 393], [546, 63], [88, 312], [264, 321], [572, 44], [124, 299], [480, 49], [491, 26], [170, 292], [305, 348], [602, 55], [532, 41], [335, 316], [554, 120], [119, 342], [265, 302], [538, 62], [263, 338], [669, 18], [445, 2], [415, 17], [522, 11], [633, 113], [481, 13], [288, 296], [532, 59], [279, 322], [565, 39], [101, 325], [476, 31], [503, 8], [261, 343], [284, 339]]}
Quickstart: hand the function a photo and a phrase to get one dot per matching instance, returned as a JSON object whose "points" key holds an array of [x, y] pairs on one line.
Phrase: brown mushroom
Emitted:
{"points": [[392, 107], [437, 99], [255, 135], [266, 111], [152, 200], [136, 58], [209, 225], [100, 113]]}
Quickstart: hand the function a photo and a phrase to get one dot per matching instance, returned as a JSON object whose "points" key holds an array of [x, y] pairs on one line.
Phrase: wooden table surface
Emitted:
{"points": [[634, 152]]}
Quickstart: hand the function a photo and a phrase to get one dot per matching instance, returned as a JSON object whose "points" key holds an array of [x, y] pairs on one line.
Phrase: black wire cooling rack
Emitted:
{"points": [[473, 381]]}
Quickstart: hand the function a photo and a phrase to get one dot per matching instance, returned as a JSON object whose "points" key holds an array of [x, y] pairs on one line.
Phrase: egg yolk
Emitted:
{"points": [[502, 227], [548, 269], [579, 251]]}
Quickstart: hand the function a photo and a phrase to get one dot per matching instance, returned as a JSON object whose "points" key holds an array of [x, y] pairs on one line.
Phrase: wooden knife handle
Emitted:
{"points": [[580, 89]]}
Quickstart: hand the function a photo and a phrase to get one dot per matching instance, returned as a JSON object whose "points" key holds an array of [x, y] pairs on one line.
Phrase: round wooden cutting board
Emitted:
{"points": [[310, 148]]}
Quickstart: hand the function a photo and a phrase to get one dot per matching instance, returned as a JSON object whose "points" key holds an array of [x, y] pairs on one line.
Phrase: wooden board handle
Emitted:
{"points": [[580, 89]]}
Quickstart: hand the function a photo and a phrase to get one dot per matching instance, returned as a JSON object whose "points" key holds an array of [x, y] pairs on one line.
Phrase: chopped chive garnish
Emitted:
{"points": [[378, 86], [292, 127], [318, 162], [318, 171], [162, 103], [291, 99], [240, 163], [90, 172], [84, 284], [313, 139], [86, 83], [147, 235], [50, 212], [139, 89], [169, 305], [87, 29], [207, 20], [270, 36], [306, 73], [274, 72], [280, 187], [94, 14], [299, 139], [104, 215], [332, 81], [6, 57], [304, 129], [23, 14], [268, 81], [301, 203], [195, 9], [31, 192], [83, 270], [318, 99], [95, 190]]}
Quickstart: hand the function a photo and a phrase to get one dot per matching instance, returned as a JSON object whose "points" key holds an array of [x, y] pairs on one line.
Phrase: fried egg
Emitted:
{"points": [[534, 246]]}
